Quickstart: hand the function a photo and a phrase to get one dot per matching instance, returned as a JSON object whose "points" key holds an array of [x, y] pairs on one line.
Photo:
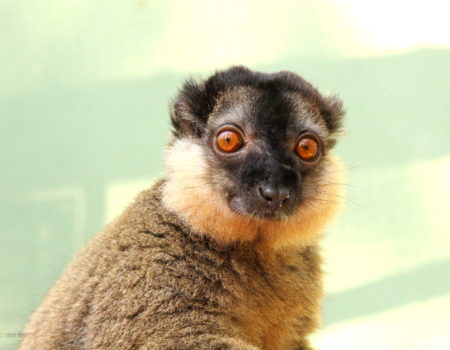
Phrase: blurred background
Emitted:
{"points": [[84, 94]]}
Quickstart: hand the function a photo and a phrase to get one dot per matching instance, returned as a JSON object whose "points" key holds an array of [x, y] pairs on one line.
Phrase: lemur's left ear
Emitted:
{"points": [[332, 112], [190, 110]]}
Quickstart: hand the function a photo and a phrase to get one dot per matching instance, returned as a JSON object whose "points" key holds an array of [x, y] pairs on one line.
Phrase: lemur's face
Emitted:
{"points": [[264, 149], [264, 137]]}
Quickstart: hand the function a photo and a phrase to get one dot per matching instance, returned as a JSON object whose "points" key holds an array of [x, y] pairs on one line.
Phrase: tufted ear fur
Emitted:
{"points": [[190, 110], [196, 100], [333, 113]]}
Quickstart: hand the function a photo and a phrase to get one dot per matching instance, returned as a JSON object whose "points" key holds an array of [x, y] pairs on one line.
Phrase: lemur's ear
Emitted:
{"points": [[333, 113], [190, 110]]}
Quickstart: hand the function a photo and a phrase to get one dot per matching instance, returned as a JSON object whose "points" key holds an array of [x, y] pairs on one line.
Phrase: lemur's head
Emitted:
{"points": [[251, 155]]}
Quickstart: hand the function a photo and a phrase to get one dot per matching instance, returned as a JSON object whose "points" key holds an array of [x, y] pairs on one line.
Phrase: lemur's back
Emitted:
{"points": [[147, 282]]}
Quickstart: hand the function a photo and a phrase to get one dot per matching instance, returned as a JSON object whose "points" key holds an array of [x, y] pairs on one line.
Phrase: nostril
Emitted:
{"points": [[265, 193], [283, 195]]}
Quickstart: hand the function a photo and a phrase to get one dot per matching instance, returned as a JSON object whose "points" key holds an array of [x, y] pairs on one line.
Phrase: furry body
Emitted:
{"points": [[148, 282], [182, 268]]}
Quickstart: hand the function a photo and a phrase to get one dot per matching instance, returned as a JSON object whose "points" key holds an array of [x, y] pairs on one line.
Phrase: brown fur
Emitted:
{"points": [[149, 282]]}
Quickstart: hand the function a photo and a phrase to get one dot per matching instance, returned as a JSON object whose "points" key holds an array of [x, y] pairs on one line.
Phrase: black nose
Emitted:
{"points": [[272, 196]]}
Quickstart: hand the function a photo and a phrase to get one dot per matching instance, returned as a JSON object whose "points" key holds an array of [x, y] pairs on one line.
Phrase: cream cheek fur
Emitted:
{"points": [[189, 194]]}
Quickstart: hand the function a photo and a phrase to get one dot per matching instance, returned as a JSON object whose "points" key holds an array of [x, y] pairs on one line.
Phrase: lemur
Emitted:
{"points": [[222, 253]]}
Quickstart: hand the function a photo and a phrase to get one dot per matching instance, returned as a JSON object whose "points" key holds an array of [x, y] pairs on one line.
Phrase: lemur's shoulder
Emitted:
{"points": [[147, 222]]}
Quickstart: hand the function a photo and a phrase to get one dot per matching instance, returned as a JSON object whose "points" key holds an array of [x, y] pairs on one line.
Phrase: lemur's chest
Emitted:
{"points": [[279, 300]]}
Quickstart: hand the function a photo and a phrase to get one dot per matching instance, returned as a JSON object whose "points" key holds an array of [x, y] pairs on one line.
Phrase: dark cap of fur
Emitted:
{"points": [[196, 100]]}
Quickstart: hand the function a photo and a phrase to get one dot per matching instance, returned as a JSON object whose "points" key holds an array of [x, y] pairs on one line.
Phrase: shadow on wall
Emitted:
{"points": [[420, 284], [64, 145]]}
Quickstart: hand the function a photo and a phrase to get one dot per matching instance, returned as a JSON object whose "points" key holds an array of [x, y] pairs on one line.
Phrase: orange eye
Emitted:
{"points": [[229, 141], [307, 148]]}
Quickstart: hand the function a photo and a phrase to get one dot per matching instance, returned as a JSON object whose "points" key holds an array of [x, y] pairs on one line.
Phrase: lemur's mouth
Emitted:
{"points": [[256, 209]]}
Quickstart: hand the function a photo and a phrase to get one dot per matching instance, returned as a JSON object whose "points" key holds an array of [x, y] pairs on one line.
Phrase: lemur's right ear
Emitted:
{"points": [[190, 110]]}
